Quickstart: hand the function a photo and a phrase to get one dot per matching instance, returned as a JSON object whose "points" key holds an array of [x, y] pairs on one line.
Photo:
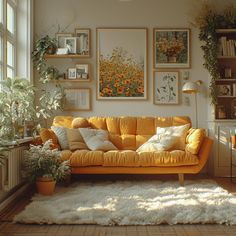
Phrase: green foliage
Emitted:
{"points": [[16, 105], [42, 161], [43, 46], [49, 74], [208, 21]]}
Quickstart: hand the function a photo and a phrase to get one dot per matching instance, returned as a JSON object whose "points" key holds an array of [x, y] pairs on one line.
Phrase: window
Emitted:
{"points": [[7, 38]]}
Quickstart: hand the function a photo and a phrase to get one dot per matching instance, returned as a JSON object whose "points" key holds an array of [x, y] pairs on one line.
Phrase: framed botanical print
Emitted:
{"points": [[77, 99], [166, 87], [121, 63], [171, 48]]}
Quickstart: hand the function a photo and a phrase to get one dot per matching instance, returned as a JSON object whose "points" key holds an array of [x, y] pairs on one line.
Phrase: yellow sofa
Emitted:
{"points": [[127, 134]]}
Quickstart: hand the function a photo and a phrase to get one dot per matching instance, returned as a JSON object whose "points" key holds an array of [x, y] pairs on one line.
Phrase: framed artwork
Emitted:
{"points": [[121, 63], [224, 90], [77, 99], [82, 71], [83, 41], [166, 87], [60, 37], [220, 112], [171, 48], [72, 73], [70, 44]]}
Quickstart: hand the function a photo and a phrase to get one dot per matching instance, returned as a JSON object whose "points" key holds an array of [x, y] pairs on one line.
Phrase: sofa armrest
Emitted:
{"points": [[205, 151]]}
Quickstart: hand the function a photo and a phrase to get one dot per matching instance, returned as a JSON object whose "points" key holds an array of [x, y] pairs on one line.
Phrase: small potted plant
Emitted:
{"points": [[44, 166], [45, 45]]}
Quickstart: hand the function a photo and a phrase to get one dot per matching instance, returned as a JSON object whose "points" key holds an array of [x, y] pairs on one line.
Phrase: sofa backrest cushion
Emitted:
{"points": [[194, 140], [127, 132]]}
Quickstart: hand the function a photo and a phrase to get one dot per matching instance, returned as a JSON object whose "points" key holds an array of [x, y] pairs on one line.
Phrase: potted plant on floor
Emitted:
{"points": [[44, 166]]}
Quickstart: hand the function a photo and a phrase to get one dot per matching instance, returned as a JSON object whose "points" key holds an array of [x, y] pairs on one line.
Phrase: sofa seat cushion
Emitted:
{"points": [[165, 158], [129, 158], [86, 158]]}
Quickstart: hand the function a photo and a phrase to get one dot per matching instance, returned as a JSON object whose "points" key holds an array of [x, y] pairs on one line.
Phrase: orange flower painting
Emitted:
{"points": [[121, 74]]}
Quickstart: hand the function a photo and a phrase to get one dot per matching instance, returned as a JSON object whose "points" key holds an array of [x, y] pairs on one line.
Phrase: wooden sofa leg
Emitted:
{"points": [[181, 179]]}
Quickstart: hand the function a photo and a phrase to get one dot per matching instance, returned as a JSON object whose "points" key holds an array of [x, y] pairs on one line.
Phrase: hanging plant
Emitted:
{"points": [[208, 21]]}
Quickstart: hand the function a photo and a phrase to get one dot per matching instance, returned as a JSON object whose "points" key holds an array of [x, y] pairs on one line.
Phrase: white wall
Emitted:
{"points": [[71, 14]]}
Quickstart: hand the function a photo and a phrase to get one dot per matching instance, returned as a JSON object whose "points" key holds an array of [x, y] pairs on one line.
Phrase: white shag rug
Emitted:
{"points": [[133, 203]]}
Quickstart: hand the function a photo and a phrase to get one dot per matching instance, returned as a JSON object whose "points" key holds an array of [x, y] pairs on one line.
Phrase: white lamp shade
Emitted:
{"points": [[190, 87]]}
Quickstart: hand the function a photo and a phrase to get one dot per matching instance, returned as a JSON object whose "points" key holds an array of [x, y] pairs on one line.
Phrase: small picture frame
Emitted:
{"points": [[83, 41], [224, 90], [82, 71], [77, 99], [70, 44], [60, 37], [220, 112], [72, 73]]}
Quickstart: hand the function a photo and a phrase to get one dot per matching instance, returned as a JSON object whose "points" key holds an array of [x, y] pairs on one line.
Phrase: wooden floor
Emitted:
{"points": [[7, 228]]}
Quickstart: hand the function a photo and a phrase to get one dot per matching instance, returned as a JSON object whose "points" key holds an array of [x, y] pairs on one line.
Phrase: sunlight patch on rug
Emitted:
{"points": [[133, 203]]}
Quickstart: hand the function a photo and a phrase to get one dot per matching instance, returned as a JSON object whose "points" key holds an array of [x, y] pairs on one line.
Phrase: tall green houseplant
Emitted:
{"points": [[208, 21]]}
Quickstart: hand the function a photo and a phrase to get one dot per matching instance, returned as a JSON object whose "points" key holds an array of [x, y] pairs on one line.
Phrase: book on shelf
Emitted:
{"points": [[234, 89], [227, 47]]}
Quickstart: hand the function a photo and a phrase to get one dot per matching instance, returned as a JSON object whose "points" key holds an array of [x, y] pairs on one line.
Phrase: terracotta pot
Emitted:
{"points": [[51, 50], [45, 186]]}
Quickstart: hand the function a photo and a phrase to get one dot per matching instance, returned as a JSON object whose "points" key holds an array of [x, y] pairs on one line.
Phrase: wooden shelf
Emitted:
{"points": [[66, 56], [225, 31], [222, 80], [226, 96], [226, 57], [73, 80]]}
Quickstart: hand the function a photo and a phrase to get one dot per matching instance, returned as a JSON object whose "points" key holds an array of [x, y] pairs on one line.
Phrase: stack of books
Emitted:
{"points": [[227, 46]]}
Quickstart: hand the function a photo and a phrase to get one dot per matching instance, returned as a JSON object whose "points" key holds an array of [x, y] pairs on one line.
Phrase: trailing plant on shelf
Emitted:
{"points": [[208, 21], [49, 74], [45, 45], [49, 100]]}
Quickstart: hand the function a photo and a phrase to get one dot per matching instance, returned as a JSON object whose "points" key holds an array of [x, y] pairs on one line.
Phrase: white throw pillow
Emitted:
{"points": [[175, 131], [97, 139], [157, 144], [62, 136], [166, 138]]}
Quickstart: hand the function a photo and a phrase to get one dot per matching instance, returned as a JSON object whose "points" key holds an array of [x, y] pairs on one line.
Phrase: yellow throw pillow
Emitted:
{"points": [[75, 140], [46, 134], [194, 140], [80, 122]]}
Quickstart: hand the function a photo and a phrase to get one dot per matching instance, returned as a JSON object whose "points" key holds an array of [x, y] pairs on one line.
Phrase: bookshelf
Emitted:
{"points": [[226, 86]]}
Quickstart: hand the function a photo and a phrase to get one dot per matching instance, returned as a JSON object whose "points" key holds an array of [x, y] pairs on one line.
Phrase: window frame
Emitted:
{"points": [[7, 36]]}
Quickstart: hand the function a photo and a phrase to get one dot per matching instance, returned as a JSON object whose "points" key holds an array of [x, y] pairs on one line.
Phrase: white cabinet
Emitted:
{"points": [[220, 161]]}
